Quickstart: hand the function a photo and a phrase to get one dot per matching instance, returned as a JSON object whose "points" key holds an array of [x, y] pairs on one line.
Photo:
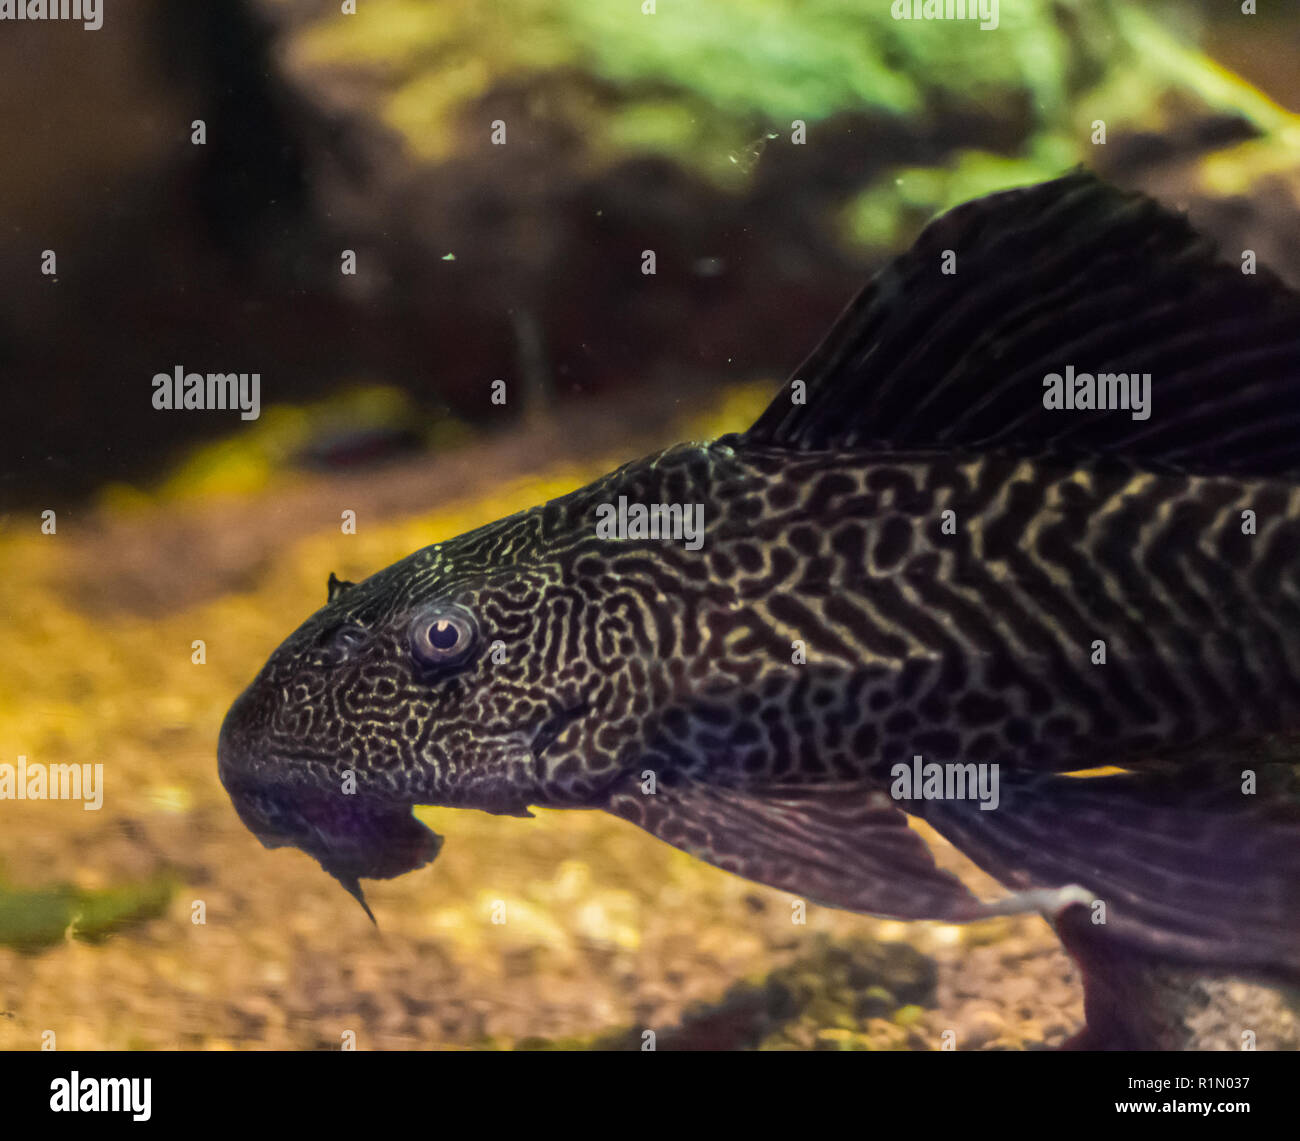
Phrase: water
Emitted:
{"points": [[153, 558]]}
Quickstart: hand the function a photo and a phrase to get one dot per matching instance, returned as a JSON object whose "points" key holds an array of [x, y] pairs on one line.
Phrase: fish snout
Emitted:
{"points": [[350, 834], [236, 744]]}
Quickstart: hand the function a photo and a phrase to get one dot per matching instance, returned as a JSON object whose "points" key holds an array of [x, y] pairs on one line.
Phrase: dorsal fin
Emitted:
{"points": [[1071, 273]]}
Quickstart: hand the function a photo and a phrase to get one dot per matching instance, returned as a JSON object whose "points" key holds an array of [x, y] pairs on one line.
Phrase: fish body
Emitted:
{"points": [[918, 556]]}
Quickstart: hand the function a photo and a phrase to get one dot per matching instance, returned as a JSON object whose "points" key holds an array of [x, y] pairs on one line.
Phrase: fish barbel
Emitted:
{"points": [[956, 545]]}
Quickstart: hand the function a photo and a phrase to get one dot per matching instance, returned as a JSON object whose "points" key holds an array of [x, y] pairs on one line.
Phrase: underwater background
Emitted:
{"points": [[158, 921]]}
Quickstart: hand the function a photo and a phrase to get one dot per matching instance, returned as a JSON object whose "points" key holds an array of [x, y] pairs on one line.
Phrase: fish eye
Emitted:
{"points": [[442, 638]]}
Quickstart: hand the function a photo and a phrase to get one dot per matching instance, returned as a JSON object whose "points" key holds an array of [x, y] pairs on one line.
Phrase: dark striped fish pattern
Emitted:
{"points": [[908, 555]]}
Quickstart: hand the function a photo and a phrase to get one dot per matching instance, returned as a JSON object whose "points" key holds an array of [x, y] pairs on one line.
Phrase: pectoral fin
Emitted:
{"points": [[1189, 868], [844, 846]]}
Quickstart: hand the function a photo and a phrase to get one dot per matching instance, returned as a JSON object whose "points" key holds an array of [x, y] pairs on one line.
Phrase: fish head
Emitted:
{"points": [[419, 685]]}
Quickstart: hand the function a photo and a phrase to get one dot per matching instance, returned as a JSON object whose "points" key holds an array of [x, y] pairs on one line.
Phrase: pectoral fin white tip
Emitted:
{"points": [[1050, 901]]}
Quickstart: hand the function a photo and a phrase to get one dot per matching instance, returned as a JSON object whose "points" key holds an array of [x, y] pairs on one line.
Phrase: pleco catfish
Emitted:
{"points": [[925, 561]]}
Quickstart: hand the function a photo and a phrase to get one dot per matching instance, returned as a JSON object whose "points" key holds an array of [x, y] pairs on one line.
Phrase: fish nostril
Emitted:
{"points": [[349, 638]]}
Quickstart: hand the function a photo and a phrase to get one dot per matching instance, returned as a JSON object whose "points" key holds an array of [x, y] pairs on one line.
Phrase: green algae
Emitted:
{"points": [[851, 994], [881, 215], [598, 85], [251, 458], [33, 919], [678, 84]]}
